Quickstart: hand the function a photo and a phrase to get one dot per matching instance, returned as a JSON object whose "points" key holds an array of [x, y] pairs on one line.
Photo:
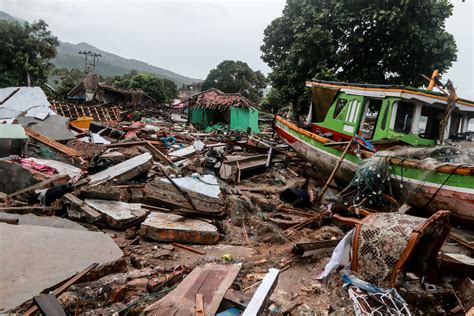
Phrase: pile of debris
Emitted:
{"points": [[156, 217]]}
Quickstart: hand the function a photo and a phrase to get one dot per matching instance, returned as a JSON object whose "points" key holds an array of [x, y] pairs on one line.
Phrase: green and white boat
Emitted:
{"points": [[389, 117]]}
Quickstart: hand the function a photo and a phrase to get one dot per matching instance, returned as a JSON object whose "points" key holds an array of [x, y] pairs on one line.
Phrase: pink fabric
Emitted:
{"points": [[42, 168]]}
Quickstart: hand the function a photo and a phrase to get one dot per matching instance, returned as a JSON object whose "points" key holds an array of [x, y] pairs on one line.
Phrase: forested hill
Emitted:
{"points": [[109, 64]]}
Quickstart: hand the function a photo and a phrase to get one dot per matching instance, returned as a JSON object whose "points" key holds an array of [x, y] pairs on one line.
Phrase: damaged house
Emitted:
{"points": [[101, 101], [233, 110]]}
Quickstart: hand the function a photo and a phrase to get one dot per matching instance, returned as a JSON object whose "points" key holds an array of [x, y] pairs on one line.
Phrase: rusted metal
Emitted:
{"points": [[13, 221], [188, 248]]}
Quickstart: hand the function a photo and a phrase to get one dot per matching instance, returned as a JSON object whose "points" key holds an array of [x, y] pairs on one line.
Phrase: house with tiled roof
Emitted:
{"points": [[232, 110]]}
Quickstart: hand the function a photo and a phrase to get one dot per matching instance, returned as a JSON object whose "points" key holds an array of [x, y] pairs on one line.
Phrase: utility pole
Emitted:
{"points": [[89, 67]]}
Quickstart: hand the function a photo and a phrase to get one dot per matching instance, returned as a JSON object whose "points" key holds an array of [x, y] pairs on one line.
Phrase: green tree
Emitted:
{"points": [[236, 77], [390, 41], [65, 80], [25, 52], [162, 90]]}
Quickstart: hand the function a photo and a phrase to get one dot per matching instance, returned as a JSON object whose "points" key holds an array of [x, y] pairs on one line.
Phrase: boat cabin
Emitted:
{"points": [[386, 113]]}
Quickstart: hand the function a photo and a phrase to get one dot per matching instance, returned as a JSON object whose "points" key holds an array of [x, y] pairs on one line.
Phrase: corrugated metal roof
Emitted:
{"points": [[30, 101]]}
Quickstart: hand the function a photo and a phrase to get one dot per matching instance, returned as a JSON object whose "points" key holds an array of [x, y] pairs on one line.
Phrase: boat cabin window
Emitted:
{"points": [[455, 125], [470, 125], [371, 117], [351, 114], [340, 105], [429, 122], [404, 117]]}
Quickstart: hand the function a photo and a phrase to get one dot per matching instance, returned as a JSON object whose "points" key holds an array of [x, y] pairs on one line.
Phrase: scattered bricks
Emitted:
{"points": [[117, 294], [136, 287], [116, 266]]}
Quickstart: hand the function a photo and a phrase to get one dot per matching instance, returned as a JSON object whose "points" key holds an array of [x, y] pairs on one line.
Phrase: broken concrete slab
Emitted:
{"points": [[48, 256], [46, 221], [119, 215], [123, 171], [170, 227], [184, 152], [206, 184], [159, 193]]}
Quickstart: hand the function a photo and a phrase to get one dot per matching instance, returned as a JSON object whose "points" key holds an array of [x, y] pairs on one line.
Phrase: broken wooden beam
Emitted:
{"points": [[157, 153], [79, 210], [309, 248], [45, 184], [71, 152], [259, 300], [60, 290]]}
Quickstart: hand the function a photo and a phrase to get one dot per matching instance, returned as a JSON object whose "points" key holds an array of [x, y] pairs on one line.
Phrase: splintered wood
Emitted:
{"points": [[211, 281]]}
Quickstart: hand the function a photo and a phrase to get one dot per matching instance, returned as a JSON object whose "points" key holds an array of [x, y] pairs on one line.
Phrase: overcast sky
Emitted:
{"points": [[191, 37]]}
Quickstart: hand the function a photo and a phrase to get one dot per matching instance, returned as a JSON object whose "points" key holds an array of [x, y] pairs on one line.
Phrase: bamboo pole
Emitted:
{"points": [[336, 168]]}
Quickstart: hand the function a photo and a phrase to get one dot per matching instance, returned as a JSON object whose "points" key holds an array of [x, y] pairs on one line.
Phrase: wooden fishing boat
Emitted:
{"points": [[385, 117]]}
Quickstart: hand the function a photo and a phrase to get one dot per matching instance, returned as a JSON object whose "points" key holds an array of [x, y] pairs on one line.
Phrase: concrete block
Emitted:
{"points": [[170, 227]]}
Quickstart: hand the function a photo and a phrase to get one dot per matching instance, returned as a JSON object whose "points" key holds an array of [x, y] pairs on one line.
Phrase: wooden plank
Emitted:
{"points": [[49, 305], [310, 248], [60, 290], [54, 180], [157, 153], [211, 280], [464, 292], [52, 143], [199, 305], [464, 237], [258, 302]]}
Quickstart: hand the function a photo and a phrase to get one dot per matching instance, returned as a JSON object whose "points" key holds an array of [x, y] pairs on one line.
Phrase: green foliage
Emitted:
{"points": [[25, 49], [64, 80], [390, 41], [236, 77], [273, 101], [162, 90]]}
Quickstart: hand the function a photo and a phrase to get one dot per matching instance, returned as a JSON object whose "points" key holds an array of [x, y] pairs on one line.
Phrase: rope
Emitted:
{"points": [[446, 180]]}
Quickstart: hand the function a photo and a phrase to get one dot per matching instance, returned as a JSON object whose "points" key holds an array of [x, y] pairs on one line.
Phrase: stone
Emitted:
{"points": [[163, 253], [130, 233], [165, 227]]}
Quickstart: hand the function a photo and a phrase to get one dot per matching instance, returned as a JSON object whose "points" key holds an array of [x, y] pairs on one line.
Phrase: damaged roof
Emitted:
{"points": [[216, 99], [30, 101]]}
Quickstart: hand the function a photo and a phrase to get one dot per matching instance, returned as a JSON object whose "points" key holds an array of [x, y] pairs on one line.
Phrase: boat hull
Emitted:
{"points": [[429, 190]]}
